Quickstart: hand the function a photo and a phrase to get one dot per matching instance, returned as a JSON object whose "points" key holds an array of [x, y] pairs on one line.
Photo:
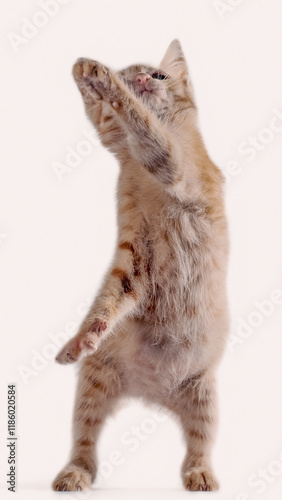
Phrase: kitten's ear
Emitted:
{"points": [[174, 62]]}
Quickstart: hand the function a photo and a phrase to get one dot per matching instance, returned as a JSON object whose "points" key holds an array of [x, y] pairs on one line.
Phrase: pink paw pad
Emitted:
{"points": [[98, 326]]}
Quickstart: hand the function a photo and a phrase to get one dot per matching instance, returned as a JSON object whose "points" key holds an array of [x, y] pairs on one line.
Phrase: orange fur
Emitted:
{"points": [[158, 326]]}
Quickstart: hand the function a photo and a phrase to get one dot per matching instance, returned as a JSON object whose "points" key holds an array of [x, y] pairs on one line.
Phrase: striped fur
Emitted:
{"points": [[158, 326]]}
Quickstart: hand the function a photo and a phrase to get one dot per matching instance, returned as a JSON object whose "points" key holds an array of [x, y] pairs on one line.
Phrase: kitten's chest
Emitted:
{"points": [[177, 252], [176, 269]]}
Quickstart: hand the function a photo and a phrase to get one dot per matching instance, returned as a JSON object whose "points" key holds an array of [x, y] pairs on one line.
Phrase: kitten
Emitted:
{"points": [[158, 326]]}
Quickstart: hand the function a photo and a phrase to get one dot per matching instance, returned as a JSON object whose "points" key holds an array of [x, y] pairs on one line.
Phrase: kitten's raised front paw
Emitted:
{"points": [[84, 344], [72, 478], [92, 77], [200, 479]]}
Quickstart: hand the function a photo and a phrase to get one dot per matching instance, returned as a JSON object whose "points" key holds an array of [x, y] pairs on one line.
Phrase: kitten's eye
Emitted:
{"points": [[158, 75]]}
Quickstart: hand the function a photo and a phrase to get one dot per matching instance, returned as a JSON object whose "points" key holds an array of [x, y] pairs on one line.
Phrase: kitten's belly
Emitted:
{"points": [[181, 333], [151, 374], [182, 328], [160, 368]]}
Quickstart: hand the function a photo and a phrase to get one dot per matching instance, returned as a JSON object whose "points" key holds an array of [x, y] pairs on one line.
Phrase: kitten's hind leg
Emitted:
{"points": [[98, 391], [196, 405]]}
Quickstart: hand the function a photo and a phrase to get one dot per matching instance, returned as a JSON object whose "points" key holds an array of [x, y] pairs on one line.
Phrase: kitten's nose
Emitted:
{"points": [[141, 78]]}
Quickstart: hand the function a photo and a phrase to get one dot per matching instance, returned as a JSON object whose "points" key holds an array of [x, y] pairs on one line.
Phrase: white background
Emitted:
{"points": [[57, 236]]}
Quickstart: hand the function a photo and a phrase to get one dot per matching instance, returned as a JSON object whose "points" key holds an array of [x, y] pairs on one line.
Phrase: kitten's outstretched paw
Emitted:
{"points": [[92, 78], [72, 478], [200, 479], [83, 344]]}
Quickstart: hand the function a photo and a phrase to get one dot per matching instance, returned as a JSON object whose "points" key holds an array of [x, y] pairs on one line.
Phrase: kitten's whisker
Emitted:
{"points": [[95, 106], [172, 82]]}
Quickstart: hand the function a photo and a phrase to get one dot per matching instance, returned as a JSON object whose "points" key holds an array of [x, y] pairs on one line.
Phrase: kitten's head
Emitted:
{"points": [[163, 89]]}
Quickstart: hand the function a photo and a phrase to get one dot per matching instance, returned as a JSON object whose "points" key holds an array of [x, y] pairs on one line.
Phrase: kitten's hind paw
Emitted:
{"points": [[72, 478], [200, 479]]}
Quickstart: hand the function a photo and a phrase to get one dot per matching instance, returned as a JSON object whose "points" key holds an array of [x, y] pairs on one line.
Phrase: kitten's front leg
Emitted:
{"points": [[100, 112], [123, 290], [84, 343], [148, 140], [82, 72], [95, 81], [96, 326]]}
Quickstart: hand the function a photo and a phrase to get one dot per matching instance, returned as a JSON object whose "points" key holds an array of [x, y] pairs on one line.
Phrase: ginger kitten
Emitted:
{"points": [[158, 326]]}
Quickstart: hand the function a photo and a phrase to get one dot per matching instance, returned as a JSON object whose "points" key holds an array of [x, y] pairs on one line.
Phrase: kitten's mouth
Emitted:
{"points": [[154, 97]]}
